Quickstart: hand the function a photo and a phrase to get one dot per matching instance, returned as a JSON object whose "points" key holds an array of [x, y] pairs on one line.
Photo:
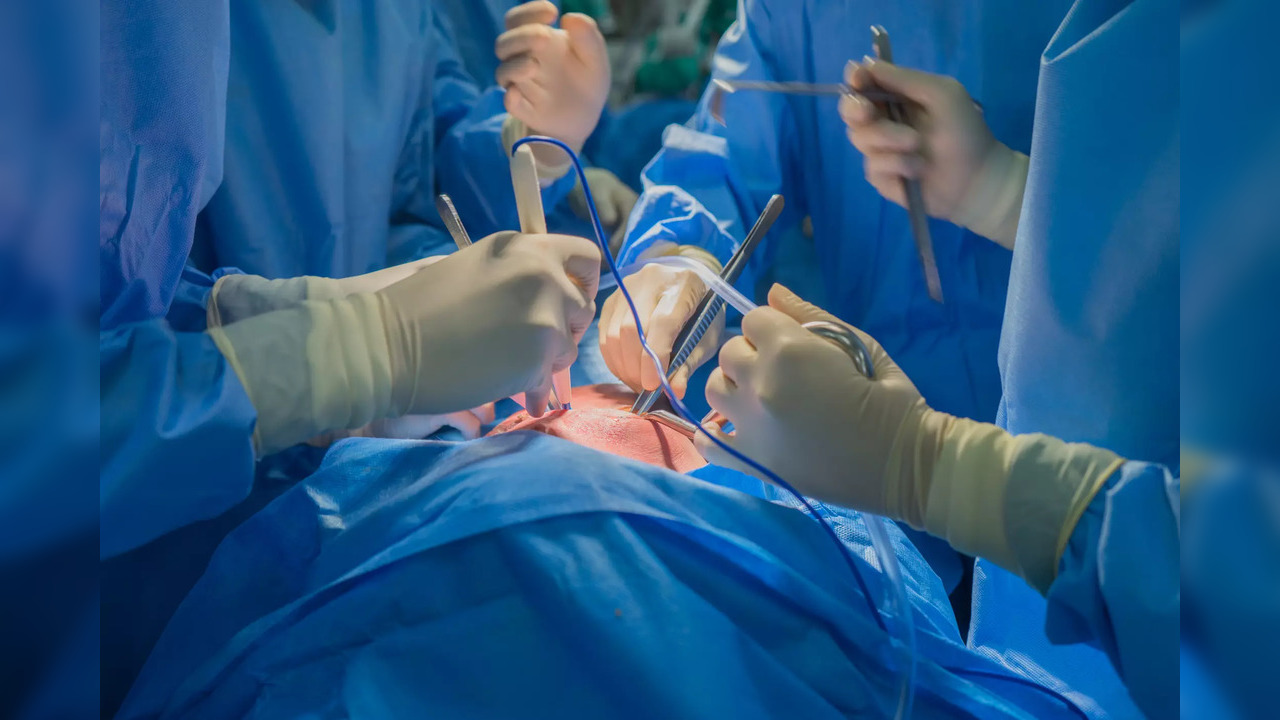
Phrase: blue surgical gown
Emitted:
{"points": [[525, 576], [1089, 353], [343, 122], [710, 181]]}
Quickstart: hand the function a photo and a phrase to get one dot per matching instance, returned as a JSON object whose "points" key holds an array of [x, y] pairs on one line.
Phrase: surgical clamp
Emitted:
{"points": [[697, 325]]}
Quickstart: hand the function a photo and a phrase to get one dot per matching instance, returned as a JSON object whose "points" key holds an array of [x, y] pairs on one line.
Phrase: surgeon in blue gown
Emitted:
{"points": [[209, 382], [343, 123], [1079, 540], [710, 182]]}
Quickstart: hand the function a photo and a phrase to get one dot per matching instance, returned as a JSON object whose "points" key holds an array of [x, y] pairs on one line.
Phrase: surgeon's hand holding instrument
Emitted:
{"points": [[947, 162], [486, 322], [711, 305]]}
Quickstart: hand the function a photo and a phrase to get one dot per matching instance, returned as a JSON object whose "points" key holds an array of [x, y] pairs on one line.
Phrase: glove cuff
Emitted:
{"points": [[992, 205], [309, 369], [1013, 500], [238, 297], [513, 129]]}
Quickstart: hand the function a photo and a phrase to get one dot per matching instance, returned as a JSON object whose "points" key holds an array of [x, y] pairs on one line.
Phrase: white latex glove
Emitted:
{"points": [[614, 201], [557, 79], [416, 427], [236, 297], [966, 176], [487, 322], [665, 298], [801, 409]]}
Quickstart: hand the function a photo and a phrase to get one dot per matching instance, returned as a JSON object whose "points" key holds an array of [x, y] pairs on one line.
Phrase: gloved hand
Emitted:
{"points": [[236, 297], [557, 79], [800, 408], [415, 427], [665, 298], [487, 322], [966, 176], [614, 201]]}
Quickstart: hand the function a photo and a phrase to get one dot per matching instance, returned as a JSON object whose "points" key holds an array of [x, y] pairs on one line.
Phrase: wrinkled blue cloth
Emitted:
{"points": [[343, 123], [1089, 353], [710, 182], [524, 576]]}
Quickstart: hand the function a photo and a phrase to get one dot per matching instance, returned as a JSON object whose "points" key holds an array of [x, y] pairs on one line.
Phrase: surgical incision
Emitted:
{"points": [[601, 419]]}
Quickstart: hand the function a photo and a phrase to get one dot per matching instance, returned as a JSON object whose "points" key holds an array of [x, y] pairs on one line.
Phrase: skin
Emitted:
{"points": [[601, 419]]}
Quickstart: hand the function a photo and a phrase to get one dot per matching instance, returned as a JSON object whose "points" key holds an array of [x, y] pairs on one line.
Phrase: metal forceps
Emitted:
{"points": [[842, 336], [911, 188], [894, 106], [709, 308], [721, 87]]}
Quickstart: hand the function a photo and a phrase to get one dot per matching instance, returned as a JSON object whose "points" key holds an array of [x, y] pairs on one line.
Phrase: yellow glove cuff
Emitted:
{"points": [[1013, 500], [992, 206]]}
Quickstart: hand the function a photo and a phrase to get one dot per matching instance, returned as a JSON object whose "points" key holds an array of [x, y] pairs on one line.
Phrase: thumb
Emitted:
{"points": [[793, 306], [919, 86], [585, 39]]}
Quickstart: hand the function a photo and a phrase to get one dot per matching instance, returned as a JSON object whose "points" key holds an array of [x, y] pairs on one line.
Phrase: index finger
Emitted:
{"points": [[539, 11], [582, 263], [765, 325]]}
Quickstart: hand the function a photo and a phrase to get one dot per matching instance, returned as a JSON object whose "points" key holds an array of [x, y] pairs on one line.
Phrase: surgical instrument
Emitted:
{"points": [[911, 188], [452, 221], [697, 325], [842, 336], [524, 178], [721, 87]]}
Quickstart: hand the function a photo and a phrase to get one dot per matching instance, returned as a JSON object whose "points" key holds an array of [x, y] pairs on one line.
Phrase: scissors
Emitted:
{"points": [[841, 335]]}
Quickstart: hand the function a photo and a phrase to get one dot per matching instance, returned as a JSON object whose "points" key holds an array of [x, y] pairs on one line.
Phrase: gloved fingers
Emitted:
{"points": [[519, 69], [582, 263], [680, 381], [539, 11], [605, 206], [857, 111], [738, 359], [893, 163], [536, 397], [923, 88], [585, 39], [669, 315], [524, 100], [792, 305], [613, 322], [767, 326], [889, 186], [724, 396], [706, 349], [884, 135], [466, 423], [529, 39], [719, 456], [486, 413]]}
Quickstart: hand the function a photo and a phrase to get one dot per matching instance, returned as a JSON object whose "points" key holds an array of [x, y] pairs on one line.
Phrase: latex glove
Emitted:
{"points": [[557, 79], [801, 409], [614, 202], [967, 177], [494, 319], [415, 427], [665, 298], [236, 297]]}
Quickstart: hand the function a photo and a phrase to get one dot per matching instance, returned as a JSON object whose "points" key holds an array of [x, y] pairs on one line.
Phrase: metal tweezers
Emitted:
{"points": [[697, 325]]}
